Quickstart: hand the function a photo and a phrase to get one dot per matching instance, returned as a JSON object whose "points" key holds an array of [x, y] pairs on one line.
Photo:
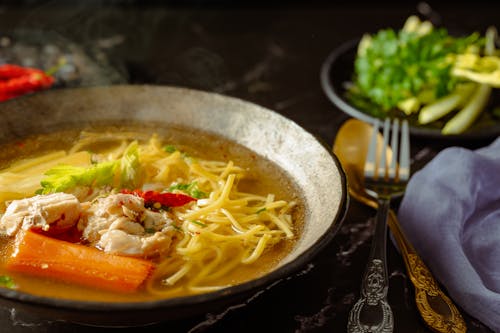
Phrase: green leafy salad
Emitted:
{"points": [[421, 70]]}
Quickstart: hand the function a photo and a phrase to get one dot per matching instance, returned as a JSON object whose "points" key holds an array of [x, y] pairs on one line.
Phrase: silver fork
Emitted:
{"points": [[383, 181]]}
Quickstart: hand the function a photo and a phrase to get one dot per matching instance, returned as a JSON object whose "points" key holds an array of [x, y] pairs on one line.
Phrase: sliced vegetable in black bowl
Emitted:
{"points": [[417, 75]]}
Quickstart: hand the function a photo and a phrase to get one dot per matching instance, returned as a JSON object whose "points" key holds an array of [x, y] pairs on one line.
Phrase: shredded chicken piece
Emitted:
{"points": [[117, 223], [119, 242], [57, 211], [120, 224], [100, 214]]}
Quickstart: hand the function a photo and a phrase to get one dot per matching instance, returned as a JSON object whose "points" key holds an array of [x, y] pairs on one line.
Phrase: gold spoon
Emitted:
{"points": [[437, 310]]}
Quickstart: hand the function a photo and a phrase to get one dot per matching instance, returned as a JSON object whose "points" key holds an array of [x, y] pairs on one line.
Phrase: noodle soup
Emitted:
{"points": [[136, 213]]}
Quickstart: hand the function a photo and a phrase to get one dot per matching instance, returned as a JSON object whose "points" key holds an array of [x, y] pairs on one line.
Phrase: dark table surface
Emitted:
{"points": [[269, 55]]}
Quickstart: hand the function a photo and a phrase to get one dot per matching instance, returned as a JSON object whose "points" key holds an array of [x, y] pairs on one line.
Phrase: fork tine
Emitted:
{"points": [[404, 154], [383, 155], [371, 156], [394, 145]]}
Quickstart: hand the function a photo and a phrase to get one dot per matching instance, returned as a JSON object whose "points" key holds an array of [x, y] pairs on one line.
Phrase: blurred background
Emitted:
{"points": [[267, 51]]}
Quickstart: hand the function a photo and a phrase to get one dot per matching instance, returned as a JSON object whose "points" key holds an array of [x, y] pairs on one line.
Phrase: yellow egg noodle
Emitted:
{"points": [[218, 232]]}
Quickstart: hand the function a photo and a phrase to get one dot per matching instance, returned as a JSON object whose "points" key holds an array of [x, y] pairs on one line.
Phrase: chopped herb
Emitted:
{"points": [[169, 148], [177, 228], [181, 187], [394, 65], [150, 230], [261, 210], [190, 189], [199, 223], [195, 193], [7, 282]]}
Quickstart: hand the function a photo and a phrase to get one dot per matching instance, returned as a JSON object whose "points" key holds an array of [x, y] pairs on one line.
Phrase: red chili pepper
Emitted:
{"points": [[4, 97], [16, 80], [165, 199], [35, 80], [9, 71]]}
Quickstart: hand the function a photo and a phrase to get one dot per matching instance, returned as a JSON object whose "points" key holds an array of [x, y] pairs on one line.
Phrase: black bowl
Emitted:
{"points": [[314, 169], [338, 69]]}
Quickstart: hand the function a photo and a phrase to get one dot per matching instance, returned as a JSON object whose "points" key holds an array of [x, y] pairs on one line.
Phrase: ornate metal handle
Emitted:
{"points": [[372, 313], [437, 309]]}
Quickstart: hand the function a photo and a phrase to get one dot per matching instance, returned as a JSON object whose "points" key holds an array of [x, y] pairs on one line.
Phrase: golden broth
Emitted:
{"points": [[265, 177]]}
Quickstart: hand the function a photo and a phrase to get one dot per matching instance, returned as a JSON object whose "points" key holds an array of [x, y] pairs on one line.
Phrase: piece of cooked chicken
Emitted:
{"points": [[120, 224], [119, 242], [51, 212]]}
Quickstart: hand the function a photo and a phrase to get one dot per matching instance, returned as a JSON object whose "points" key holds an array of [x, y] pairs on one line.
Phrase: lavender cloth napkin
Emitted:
{"points": [[451, 214]]}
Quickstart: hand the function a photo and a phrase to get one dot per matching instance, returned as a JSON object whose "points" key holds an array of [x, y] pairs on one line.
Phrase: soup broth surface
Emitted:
{"points": [[261, 178]]}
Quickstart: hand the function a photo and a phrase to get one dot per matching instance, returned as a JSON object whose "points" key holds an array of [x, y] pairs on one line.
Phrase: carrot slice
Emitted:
{"points": [[43, 256]]}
